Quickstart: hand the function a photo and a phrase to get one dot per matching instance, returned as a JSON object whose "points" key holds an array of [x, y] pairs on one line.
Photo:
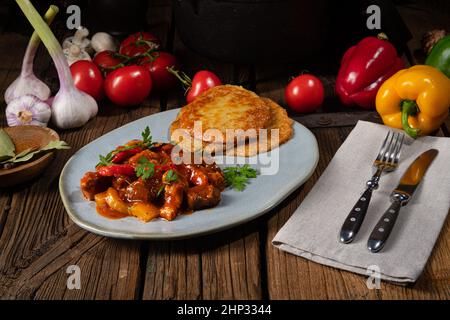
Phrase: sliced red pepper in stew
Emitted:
{"points": [[116, 170]]}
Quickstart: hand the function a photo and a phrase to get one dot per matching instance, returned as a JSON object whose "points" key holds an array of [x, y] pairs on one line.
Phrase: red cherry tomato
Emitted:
{"points": [[161, 78], [128, 86], [305, 94], [138, 43], [202, 81], [88, 78], [106, 59]]}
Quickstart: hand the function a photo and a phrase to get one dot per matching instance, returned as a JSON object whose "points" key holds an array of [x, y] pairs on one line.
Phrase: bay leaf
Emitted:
{"points": [[7, 147], [28, 154]]}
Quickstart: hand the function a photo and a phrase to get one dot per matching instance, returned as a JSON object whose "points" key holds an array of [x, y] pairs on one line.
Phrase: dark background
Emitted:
{"points": [[347, 20], [11, 19]]}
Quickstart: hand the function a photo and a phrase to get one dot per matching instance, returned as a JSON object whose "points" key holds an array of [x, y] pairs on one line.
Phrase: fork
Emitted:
{"points": [[386, 161]]}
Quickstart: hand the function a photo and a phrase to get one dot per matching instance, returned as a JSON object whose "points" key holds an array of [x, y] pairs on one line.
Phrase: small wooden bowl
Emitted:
{"points": [[26, 137]]}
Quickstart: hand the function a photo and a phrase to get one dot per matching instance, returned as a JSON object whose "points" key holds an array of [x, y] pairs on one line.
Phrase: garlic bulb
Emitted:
{"points": [[27, 82], [74, 53], [72, 108], [28, 110], [79, 39]]}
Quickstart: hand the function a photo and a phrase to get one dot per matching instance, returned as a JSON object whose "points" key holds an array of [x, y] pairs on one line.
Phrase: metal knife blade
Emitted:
{"points": [[414, 174], [400, 197]]}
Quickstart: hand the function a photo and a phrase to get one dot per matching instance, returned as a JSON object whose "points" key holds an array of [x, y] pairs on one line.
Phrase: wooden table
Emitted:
{"points": [[38, 241]]}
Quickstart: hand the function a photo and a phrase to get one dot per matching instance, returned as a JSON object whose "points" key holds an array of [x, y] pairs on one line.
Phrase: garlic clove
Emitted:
{"points": [[102, 41]]}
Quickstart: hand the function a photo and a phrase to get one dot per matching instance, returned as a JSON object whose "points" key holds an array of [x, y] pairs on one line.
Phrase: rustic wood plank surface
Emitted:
{"points": [[38, 241]]}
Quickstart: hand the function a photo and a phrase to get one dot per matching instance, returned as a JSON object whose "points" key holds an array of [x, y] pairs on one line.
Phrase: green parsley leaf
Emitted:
{"points": [[145, 169], [146, 143], [106, 160], [161, 189], [170, 177], [238, 177], [147, 137]]}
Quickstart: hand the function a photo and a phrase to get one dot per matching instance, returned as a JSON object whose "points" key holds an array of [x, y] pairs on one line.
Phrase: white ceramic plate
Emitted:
{"points": [[298, 160]]}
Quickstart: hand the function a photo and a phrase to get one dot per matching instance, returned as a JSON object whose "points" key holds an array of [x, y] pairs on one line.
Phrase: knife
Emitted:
{"points": [[399, 198]]}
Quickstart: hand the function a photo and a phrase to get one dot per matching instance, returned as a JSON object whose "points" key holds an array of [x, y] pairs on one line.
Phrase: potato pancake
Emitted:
{"points": [[230, 107], [280, 121], [224, 108]]}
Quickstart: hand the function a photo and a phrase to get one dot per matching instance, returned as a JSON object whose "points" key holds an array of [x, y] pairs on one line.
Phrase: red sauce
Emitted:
{"points": [[107, 212], [187, 212]]}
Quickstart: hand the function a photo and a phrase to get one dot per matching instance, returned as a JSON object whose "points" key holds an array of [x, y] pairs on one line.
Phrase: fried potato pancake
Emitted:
{"points": [[231, 107], [224, 108], [279, 121]]}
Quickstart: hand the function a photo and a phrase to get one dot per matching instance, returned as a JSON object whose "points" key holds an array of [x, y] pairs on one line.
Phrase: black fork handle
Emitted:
{"points": [[356, 217]]}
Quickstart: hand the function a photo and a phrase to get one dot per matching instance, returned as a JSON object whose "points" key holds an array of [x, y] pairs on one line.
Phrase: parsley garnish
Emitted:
{"points": [[146, 143], [170, 177], [106, 160], [237, 177], [147, 137], [145, 169]]}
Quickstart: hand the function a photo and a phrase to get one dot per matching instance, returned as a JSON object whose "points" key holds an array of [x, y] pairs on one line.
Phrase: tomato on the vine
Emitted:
{"points": [[305, 94], [128, 86], [139, 43], [158, 66], [202, 81], [106, 60], [88, 78]]}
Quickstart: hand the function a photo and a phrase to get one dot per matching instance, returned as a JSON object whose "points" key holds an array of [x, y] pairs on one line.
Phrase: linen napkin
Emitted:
{"points": [[313, 230]]}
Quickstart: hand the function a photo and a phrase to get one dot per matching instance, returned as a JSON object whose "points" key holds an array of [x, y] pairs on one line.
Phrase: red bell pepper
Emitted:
{"points": [[116, 170], [121, 156], [364, 68]]}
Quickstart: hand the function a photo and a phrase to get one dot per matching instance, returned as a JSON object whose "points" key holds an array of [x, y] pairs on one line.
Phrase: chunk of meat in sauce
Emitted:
{"points": [[121, 182], [93, 183], [201, 197], [205, 175], [173, 197], [216, 177], [196, 175], [143, 190]]}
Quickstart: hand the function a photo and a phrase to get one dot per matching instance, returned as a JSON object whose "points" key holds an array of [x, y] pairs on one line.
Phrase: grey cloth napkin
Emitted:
{"points": [[312, 232]]}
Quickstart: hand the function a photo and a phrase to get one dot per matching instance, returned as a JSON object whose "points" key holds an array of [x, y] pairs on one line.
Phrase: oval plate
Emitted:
{"points": [[298, 159]]}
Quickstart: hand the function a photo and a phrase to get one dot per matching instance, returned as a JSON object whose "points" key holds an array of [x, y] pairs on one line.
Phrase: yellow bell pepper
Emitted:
{"points": [[415, 99]]}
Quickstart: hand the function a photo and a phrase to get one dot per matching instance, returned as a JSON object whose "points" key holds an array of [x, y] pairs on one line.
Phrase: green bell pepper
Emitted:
{"points": [[440, 56]]}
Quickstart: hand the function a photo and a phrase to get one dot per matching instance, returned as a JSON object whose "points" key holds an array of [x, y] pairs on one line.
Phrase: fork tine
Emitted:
{"points": [[383, 147], [399, 150], [394, 149], [388, 151]]}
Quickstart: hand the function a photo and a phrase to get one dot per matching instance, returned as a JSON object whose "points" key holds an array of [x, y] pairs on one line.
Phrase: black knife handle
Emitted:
{"points": [[356, 217], [383, 229]]}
